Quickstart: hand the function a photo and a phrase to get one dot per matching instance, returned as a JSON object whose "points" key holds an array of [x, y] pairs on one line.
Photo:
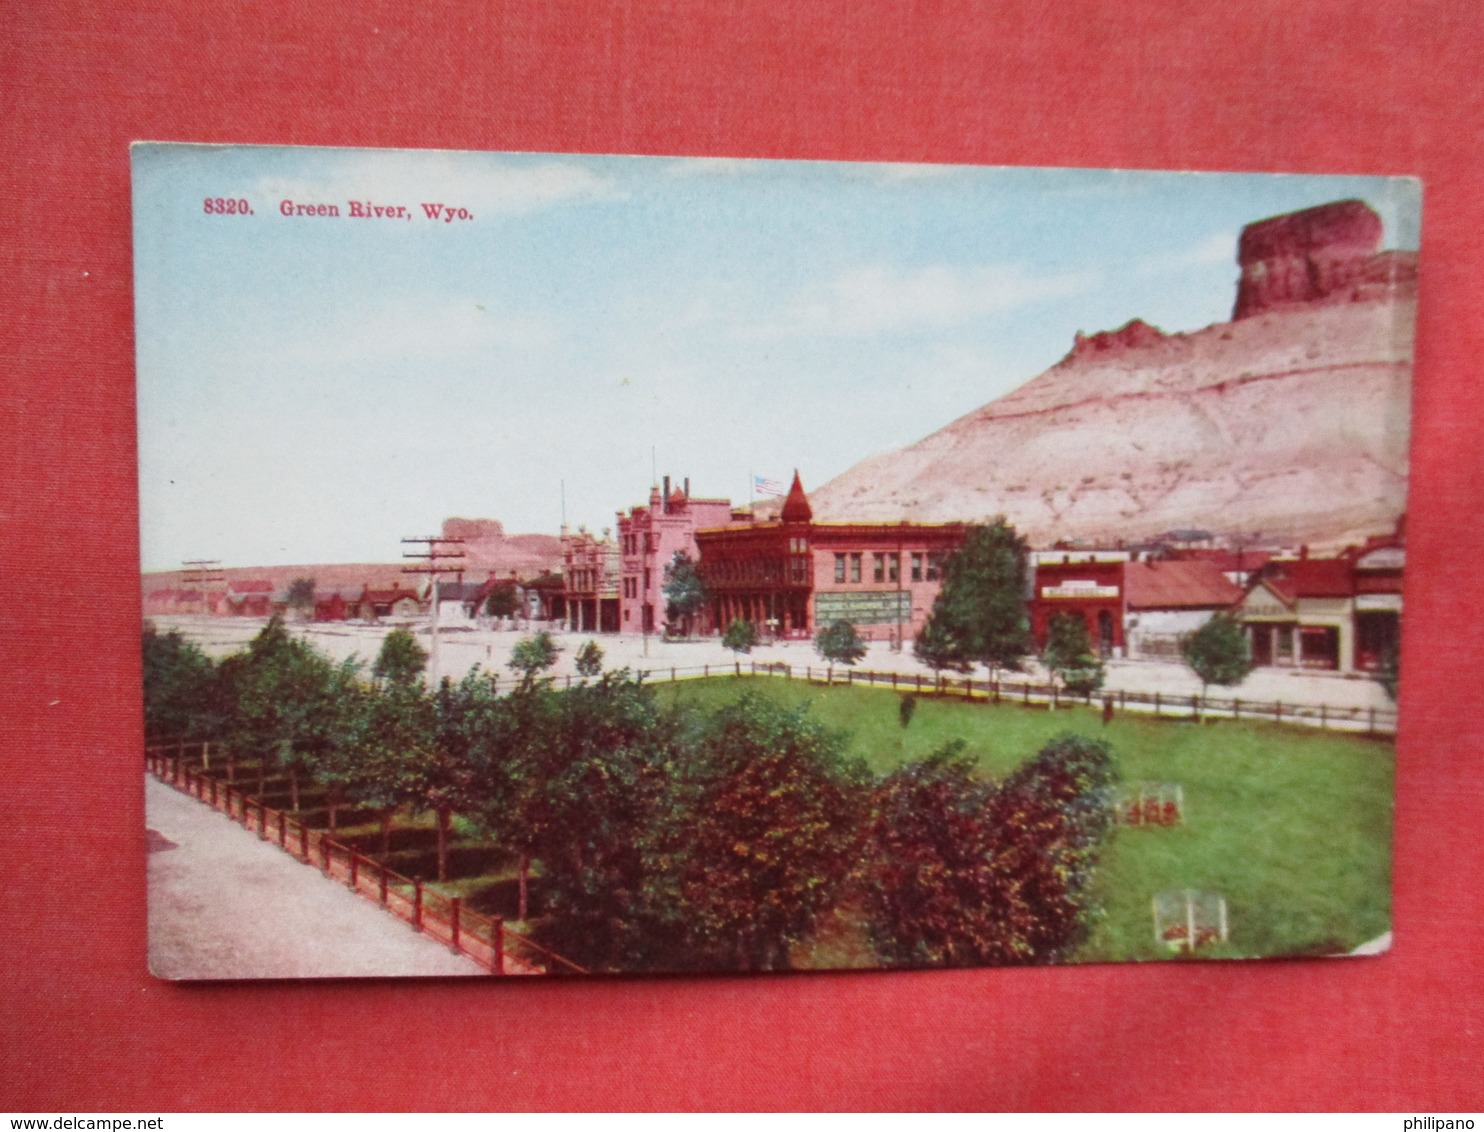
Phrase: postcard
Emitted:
{"points": [[570, 565]]}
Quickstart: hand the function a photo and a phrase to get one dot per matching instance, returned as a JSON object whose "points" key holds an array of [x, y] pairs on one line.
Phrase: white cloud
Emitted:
{"points": [[410, 178], [877, 300]]}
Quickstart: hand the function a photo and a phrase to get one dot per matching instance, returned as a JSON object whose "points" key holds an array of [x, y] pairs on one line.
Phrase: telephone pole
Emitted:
{"points": [[435, 561], [202, 572]]}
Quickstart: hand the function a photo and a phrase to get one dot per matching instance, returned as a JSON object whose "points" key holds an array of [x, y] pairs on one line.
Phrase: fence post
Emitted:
{"points": [[705, 670], [213, 788], [738, 665], [206, 754], [453, 925], [283, 830], [1278, 712], [1237, 707], [1156, 705], [497, 938], [324, 853], [1122, 700], [1323, 717], [262, 820], [1372, 726], [304, 842], [849, 676], [355, 880], [382, 883], [417, 903], [1195, 708], [179, 761]]}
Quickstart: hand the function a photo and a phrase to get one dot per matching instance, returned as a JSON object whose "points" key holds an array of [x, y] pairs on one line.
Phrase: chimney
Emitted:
{"points": [[687, 487], [665, 498]]}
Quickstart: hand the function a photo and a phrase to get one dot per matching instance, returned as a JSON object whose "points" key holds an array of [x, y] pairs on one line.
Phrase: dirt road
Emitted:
{"points": [[224, 905]]}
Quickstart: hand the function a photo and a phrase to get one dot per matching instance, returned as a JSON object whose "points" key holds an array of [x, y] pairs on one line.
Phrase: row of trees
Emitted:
{"points": [[667, 838]]}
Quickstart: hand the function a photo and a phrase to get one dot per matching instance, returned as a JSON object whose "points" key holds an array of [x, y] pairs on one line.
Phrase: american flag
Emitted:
{"points": [[762, 485]]}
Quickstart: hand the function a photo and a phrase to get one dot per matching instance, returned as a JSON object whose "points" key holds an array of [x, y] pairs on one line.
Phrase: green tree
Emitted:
{"points": [[589, 659], [939, 647], [1069, 655], [395, 742], [1217, 652], [301, 597], [969, 872], [401, 660], [980, 612], [767, 828], [503, 600], [609, 773], [740, 636], [180, 683], [685, 592], [533, 655], [839, 644]]}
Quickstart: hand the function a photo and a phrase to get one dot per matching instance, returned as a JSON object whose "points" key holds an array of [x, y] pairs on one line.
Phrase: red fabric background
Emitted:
{"points": [[1301, 85]]}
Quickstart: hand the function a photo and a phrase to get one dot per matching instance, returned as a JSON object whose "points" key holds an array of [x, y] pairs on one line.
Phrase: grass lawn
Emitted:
{"points": [[1291, 825]]}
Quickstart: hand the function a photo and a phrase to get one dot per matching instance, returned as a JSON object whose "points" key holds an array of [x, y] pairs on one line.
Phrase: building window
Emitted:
{"points": [[855, 567], [894, 568], [916, 567], [646, 579], [878, 570], [839, 567], [932, 566]]}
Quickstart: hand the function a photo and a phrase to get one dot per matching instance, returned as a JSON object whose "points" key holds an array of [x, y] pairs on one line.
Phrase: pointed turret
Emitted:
{"points": [[796, 507]]}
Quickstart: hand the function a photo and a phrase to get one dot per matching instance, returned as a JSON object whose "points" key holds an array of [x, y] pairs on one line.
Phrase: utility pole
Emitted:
{"points": [[435, 561], [202, 572]]}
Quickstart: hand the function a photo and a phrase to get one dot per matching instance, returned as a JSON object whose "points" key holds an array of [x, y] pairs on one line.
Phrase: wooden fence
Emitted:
{"points": [[484, 939], [1164, 705]]}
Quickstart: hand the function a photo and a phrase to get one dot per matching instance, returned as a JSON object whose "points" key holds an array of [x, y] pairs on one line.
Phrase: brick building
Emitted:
{"points": [[792, 575], [649, 537]]}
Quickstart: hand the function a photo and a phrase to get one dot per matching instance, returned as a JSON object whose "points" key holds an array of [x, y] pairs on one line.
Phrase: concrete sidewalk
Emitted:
{"points": [[224, 905]]}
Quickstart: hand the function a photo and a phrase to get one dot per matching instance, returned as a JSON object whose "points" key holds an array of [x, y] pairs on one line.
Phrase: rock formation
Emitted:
{"points": [[1291, 421], [1319, 254]]}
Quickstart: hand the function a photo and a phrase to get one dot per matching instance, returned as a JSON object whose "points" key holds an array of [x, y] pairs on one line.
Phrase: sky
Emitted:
{"points": [[313, 388]]}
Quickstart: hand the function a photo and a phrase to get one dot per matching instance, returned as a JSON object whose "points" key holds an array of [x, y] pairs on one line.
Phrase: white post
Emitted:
{"points": [[1190, 921]]}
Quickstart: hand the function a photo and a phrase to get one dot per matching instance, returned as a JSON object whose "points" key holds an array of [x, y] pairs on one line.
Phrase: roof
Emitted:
{"points": [[796, 507], [1228, 561], [1293, 578], [1196, 583]]}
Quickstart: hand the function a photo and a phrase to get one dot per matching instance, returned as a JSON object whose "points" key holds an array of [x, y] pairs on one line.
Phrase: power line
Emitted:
{"points": [[433, 566]]}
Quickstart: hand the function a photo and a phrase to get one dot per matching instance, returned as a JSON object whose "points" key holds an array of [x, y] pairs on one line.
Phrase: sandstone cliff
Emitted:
{"points": [[1290, 422]]}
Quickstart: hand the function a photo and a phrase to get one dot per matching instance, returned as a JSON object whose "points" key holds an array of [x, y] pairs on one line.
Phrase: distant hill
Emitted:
{"points": [[1290, 422], [488, 550]]}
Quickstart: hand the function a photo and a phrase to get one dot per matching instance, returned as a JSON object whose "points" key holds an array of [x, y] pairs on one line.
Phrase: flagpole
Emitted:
{"points": [[751, 483]]}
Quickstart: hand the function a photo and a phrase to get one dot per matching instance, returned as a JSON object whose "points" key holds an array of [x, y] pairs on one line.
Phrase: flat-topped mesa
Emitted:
{"points": [[1132, 335], [1308, 256]]}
